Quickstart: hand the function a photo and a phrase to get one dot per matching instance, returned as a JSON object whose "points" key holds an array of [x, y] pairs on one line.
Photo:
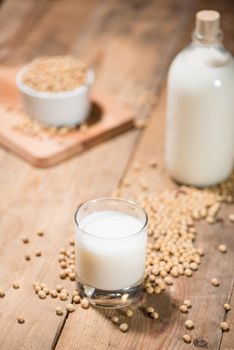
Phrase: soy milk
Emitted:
{"points": [[200, 108], [106, 258]]}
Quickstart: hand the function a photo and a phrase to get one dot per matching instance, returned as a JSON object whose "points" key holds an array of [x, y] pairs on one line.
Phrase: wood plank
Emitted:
{"points": [[107, 119], [227, 340], [14, 25], [207, 310], [39, 28], [62, 22], [81, 328], [58, 193], [29, 193], [30, 198]]}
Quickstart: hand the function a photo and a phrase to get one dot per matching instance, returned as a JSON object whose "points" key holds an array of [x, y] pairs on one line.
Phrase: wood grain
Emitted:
{"points": [[39, 27], [14, 26], [207, 310], [130, 44], [32, 199], [106, 120]]}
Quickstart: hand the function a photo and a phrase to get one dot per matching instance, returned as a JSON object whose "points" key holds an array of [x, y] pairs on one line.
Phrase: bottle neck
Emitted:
{"points": [[217, 39]]}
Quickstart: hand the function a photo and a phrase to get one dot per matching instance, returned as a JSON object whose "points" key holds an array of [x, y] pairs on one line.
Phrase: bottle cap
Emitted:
{"points": [[207, 24]]}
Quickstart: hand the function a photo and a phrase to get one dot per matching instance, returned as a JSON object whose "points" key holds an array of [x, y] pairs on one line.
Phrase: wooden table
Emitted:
{"points": [[130, 44]]}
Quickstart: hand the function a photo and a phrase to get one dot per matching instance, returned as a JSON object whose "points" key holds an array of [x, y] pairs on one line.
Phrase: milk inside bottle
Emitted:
{"points": [[200, 108]]}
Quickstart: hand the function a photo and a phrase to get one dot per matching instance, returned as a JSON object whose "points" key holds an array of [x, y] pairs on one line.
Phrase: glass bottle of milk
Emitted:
{"points": [[200, 108]]}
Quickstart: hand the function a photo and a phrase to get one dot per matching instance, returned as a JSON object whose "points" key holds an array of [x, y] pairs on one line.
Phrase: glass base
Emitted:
{"points": [[111, 299]]}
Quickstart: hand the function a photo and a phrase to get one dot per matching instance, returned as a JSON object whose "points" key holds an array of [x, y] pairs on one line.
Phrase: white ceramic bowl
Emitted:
{"points": [[57, 108]]}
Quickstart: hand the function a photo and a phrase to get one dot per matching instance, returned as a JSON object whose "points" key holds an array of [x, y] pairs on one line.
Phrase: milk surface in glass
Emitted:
{"points": [[109, 256]]}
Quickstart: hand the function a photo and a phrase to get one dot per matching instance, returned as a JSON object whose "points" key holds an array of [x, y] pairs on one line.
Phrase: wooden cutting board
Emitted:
{"points": [[107, 119]]}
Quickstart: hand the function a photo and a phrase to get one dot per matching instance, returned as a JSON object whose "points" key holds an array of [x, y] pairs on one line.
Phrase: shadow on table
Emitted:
{"points": [[95, 114], [141, 321]]}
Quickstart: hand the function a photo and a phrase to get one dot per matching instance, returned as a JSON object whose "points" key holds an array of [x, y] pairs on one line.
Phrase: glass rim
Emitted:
{"points": [[123, 200]]}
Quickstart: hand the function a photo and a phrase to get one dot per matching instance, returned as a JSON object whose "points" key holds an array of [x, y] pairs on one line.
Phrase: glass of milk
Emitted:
{"points": [[111, 237]]}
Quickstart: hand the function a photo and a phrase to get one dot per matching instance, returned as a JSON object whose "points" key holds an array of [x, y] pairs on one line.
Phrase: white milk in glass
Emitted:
{"points": [[106, 258]]}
